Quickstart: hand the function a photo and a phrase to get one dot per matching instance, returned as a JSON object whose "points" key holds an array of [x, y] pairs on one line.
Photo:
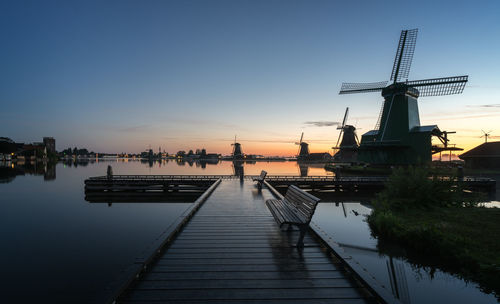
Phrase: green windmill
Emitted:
{"points": [[398, 138]]}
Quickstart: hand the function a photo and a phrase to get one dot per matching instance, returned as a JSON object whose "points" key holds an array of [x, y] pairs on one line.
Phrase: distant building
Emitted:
{"points": [[486, 155], [50, 144], [322, 156], [212, 156], [31, 151], [7, 145]]}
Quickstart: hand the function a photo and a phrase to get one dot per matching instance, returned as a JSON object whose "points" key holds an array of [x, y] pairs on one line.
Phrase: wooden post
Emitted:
{"points": [[109, 172]]}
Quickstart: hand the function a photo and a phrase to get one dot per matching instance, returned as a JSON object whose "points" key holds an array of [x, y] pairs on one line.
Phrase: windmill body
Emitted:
{"points": [[303, 148], [305, 156], [398, 137], [348, 149], [237, 154]]}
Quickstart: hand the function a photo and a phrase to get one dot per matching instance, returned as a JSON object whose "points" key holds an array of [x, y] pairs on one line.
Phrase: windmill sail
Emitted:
{"points": [[353, 87], [404, 55], [439, 86], [341, 128]]}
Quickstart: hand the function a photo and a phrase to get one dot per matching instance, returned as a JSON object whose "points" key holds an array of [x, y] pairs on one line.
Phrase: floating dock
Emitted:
{"points": [[228, 249]]}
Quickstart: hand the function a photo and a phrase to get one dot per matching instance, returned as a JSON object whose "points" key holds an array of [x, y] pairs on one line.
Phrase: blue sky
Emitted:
{"points": [[117, 76]]}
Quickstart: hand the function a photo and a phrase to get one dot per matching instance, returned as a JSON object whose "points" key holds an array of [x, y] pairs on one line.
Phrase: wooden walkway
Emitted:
{"points": [[232, 251]]}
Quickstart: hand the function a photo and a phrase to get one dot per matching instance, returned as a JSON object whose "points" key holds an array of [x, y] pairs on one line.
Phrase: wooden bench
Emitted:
{"points": [[260, 179], [296, 208]]}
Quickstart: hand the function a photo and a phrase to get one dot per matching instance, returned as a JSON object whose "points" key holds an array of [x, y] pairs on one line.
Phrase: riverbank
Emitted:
{"points": [[423, 217]]}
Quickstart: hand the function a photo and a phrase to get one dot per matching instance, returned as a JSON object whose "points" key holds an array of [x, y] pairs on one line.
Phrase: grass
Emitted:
{"points": [[438, 227]]}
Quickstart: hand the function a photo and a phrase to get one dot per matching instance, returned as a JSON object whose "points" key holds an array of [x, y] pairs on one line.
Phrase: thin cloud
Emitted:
{"points": [[492, 105], [470, 116], [322, 123], [140, 128]]}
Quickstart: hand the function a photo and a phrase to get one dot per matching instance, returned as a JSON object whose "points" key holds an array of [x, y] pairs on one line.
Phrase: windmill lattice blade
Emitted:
{"points": [[301, 136], [338, 140], [440, 86], [345, 116], [404, 54], [352, 87]]}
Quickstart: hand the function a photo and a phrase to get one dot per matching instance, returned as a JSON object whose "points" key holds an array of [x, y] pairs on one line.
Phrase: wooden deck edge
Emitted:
{"points": [[361, 274], [142, 263]]}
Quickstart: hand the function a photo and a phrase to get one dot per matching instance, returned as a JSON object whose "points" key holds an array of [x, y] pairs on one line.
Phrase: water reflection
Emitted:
{"points": [[410, 283], [75, 239], [186, 166], [238, 169], [198, 163], [9, 171]]}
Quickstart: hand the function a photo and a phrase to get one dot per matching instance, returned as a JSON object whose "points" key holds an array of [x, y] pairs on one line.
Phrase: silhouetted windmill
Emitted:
{"points": [[237, 154], [350, 138], [486, 135], [398, 137], [349, 144], [303, 148]]}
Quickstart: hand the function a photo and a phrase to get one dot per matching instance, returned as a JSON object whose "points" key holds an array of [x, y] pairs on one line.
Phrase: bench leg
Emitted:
{"points": [[300, 242]]}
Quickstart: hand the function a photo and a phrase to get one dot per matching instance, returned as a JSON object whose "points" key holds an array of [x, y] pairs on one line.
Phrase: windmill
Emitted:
{"points": [[486, 135], [237, 154], [349, 144], [398, 137], [303, 148]]}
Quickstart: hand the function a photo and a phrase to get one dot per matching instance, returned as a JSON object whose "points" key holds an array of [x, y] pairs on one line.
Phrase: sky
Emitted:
{"points": [[123, 76]]}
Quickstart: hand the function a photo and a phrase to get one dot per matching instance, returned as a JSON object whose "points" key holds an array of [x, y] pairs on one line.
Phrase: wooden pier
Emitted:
{"points": [[104, 188], [232, 251], [364, 183], [227, 248]]}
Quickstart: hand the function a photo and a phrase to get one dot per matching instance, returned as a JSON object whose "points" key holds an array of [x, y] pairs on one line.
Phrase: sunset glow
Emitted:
{"points": [[124, 77]]}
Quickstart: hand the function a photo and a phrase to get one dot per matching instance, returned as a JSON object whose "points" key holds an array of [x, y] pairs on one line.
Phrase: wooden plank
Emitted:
{"points": [[282, 293], [244, 275], [244, 284], [259, 301], [246, 261], [240, 255], [229, 246], [266, 267], [242, 250]]}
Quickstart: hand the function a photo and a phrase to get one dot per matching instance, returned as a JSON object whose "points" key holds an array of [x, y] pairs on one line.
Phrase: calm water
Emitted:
{"points": [[60, 248]]}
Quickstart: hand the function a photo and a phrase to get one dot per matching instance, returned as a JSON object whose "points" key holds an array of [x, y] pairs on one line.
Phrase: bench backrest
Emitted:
{"points": [[304, 202], [262, 175]]}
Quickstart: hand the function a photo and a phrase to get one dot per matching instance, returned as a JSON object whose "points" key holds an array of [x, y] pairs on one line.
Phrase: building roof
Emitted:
{"points": [[424, 128], [7, 140], [371, 132], [491, 149]]}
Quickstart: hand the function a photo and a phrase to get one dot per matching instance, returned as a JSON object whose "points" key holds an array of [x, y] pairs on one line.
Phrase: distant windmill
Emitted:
{"points": [[237, 154], [303, 147], [398, 137], [349, 144], [350, 138], [486, 135]]}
